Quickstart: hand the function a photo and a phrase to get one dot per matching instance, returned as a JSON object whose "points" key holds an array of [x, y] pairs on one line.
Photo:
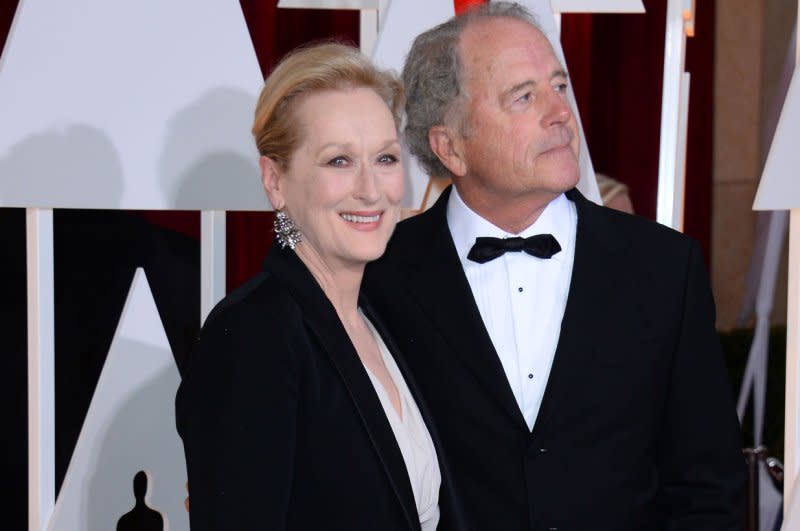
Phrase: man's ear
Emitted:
{"points": [[446, 144], [272, 178]]}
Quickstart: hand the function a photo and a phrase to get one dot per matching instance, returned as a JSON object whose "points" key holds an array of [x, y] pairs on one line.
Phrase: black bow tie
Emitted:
{"points": [[486, 249]]}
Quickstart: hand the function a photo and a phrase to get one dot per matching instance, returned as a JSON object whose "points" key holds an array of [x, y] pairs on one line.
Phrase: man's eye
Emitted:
{"points": [[561, 87], [339, 162], [387, 158], [525, 98]]}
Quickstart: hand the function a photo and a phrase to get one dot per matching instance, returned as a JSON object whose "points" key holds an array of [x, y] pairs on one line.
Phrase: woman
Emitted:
{"points": [[295, 413]]}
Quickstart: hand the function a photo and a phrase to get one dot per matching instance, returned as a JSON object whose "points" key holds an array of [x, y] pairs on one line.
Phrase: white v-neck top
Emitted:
{"points": [[412, 437]]}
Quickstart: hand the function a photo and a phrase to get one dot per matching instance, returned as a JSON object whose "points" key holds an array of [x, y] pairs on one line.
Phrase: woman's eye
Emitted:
{"points": [[339, 161], [387, 158]]}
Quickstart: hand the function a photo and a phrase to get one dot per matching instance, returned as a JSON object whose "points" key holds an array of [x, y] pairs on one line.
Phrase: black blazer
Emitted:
{"points": [[281, 425], [637, 428]]}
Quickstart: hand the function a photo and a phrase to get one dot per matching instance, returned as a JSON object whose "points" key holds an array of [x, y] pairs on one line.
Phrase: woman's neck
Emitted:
{"points": [[340, 284]]}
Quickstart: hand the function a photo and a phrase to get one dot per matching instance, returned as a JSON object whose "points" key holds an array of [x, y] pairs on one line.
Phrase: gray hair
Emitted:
{"points": [[432, 78]]}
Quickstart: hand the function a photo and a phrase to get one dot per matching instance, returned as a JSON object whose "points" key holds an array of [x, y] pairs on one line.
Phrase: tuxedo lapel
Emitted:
{"points": [[436, 279], [324, 323], [598, 248]]}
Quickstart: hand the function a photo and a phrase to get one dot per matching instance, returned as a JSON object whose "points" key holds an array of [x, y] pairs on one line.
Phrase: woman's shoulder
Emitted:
{"points": [[260, 298], [259, 312], [256, 329], [248, 344]]}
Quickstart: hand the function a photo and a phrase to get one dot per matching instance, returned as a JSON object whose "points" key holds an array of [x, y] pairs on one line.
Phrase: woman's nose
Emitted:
{"points": [[367, 185]]}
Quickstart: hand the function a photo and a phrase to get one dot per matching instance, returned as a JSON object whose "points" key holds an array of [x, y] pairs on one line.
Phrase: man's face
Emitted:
{"points": [[520, 141]]}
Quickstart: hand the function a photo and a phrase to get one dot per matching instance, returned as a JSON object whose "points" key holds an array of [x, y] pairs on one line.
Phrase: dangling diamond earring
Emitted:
{"points": [[286, 231]]}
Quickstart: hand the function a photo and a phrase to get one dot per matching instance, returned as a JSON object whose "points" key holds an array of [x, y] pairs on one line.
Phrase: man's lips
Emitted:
{"points": [[557, 142], [558, 150]]}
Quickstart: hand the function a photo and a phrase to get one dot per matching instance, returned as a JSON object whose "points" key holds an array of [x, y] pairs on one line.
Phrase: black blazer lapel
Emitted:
{"points": [[598, 252], [448, 499], [436, 280], [323, 322]]}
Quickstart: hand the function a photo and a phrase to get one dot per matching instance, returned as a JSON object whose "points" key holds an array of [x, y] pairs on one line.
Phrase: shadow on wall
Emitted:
{"points": [[208, 161], [204, 163], [54, 169], [141, 436], [219, 170]]}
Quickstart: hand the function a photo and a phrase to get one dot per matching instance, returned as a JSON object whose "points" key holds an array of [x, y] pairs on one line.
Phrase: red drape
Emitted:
{"points": [[616, 64], [462, 5]]}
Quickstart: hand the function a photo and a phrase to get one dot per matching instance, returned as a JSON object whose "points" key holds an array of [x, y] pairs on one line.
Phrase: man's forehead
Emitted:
{"points": [[500, 28], [503, 46]]}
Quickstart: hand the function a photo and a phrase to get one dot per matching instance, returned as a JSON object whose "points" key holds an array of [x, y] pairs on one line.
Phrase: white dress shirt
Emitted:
{"points": [[521, 298]]}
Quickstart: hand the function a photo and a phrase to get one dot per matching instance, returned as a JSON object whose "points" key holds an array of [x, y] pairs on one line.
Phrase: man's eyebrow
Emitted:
{"points": [[519, 86], [529, 83]]}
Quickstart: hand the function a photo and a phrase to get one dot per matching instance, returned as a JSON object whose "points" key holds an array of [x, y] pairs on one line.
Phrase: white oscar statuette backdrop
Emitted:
{"points": [[779, 189], [130, 105], [122, 105], [130, 426]]}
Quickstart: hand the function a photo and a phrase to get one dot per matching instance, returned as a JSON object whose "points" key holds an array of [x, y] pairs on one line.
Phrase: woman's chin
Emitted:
{"points": [[370, 255]]}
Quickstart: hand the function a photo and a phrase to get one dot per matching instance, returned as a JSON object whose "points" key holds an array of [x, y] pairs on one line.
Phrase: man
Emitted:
{"points": [[579, 387]]}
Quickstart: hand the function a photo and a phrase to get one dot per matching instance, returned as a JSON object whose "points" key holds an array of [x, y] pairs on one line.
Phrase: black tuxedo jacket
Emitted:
{"points": [[281, 425], [636, 430]]}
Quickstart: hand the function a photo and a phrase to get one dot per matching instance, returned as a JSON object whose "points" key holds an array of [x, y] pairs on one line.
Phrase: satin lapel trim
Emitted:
{"points": [[439, 284], [592, 283], [324, 324]]}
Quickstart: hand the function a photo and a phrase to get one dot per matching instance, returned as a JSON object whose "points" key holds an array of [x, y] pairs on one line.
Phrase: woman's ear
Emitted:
{"points": [[272, 177], [446, 144]]}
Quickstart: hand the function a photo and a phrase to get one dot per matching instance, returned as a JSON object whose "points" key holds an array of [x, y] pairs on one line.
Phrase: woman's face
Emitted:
{"points": [[344, 182]]}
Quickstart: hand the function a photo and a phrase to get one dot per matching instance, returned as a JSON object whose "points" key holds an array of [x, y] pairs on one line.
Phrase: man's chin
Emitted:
{"points": [[563, 177]]}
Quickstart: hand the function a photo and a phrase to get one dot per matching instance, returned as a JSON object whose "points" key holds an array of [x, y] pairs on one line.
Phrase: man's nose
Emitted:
{"points": [[557, 110]]}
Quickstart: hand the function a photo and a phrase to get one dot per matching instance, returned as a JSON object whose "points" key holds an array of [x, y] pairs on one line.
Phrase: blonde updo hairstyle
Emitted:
{"points": [[308, 70]]}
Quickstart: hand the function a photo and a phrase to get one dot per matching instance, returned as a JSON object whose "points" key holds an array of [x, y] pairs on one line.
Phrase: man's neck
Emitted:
{"points": [[512, 214]]}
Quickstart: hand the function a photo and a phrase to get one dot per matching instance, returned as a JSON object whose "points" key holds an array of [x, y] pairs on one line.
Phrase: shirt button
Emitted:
{"points": [[530, 376], [519, 289]]}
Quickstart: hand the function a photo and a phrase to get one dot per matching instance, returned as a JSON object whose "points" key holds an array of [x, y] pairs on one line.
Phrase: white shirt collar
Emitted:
{"points": [[466, 225]]}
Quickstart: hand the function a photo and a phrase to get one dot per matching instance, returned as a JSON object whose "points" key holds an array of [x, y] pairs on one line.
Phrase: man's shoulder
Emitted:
{"points": [[415, 242], [419, 224], [413, 236], [636, 232]]}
